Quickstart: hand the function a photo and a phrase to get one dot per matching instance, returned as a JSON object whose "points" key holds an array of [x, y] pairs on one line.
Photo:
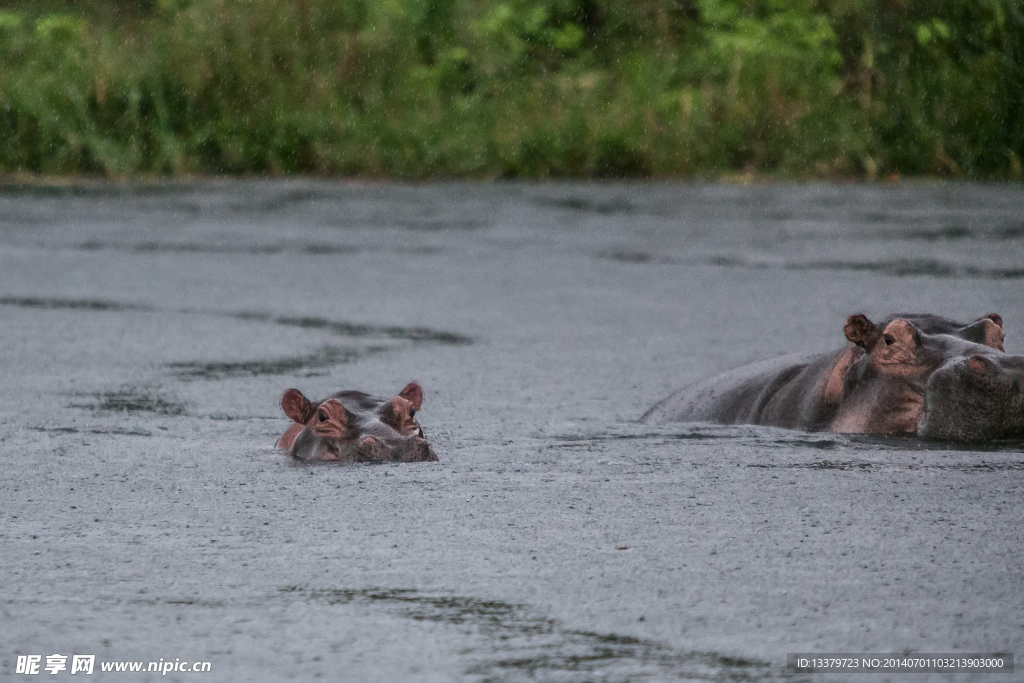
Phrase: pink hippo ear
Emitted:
{"points": [[296, 406], [994, 334], [991, 332], [412, 393], [861, 331]]}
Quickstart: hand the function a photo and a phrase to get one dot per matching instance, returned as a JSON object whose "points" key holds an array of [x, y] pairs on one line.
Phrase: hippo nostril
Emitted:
{"points": [[980, 364]]}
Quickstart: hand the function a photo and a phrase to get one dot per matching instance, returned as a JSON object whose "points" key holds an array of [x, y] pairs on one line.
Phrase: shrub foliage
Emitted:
{"points": [[518, 88]]}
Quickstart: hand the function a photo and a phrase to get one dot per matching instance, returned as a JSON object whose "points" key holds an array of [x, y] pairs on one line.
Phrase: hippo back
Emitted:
{"points": [[739, 396]]}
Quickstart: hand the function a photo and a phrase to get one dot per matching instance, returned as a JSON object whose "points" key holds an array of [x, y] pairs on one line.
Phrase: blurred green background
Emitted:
{"points": [[522, 88]]}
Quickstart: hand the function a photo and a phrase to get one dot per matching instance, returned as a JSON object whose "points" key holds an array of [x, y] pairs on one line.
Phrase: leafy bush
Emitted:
{"points": [[524, 88]]}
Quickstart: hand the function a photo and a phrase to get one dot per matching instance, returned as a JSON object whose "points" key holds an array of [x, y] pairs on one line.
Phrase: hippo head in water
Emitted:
{"points": [[986, 330], [884, 391], [976, 397], [351, 426]]}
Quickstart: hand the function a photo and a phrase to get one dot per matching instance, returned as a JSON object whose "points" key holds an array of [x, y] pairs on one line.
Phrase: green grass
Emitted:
{"points": [[543, 88]]}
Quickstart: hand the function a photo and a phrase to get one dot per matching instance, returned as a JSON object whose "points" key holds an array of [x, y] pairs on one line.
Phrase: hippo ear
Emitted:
{"points": [[986, 331], [994, 336], [413, 394], [861, 331], [296, 406]]}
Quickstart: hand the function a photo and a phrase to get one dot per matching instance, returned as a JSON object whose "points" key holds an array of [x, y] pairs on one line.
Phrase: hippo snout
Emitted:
{"points": [[975, 398]]}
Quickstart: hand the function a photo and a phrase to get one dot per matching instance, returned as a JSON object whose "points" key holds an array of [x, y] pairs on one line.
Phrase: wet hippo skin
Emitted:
{"points": [[975, 398], [876, 385], [352, 426]]}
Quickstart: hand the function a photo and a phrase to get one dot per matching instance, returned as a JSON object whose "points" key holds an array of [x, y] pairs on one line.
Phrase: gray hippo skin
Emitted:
{"points": [[975, 398], [875, 385], [351, 426]]}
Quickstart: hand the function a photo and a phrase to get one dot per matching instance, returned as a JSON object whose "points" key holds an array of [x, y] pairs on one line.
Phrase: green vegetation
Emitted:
{"points": [[517, 88]]}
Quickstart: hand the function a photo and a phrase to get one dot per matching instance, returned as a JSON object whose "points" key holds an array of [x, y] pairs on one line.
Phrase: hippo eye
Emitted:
{"points": [[888, 340], [323, 416], [412, 413]]}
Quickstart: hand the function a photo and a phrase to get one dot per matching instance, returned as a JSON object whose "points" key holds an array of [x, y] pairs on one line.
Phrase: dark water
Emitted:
{"points": [[147, 333]]}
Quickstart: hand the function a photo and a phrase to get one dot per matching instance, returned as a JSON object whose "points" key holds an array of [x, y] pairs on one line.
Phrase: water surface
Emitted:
{"points": [[148, 331]]}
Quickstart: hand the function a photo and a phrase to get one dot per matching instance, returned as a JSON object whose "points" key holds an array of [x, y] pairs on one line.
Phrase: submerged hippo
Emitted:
{"points": [[877, 385], [351, 426]]}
